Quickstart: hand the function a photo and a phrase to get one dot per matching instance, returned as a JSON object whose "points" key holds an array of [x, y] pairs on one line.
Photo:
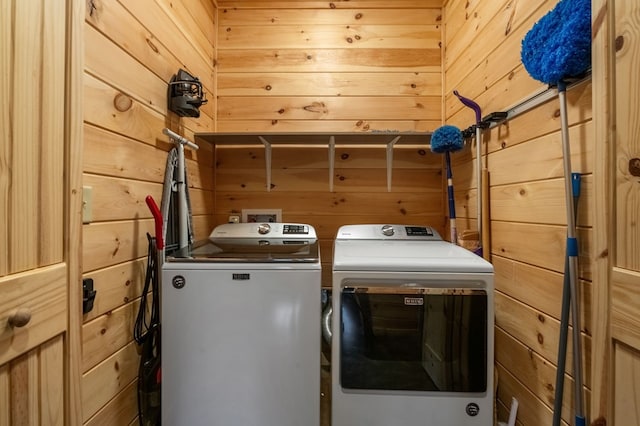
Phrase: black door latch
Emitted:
{"points": [[88, 295]]}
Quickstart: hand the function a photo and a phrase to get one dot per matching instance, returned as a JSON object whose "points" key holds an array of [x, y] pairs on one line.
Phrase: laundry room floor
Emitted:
{"points": [[325, 392]]}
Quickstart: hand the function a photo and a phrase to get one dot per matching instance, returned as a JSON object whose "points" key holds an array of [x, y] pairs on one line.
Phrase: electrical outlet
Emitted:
{"points": [[262, 215], [87, 199]]}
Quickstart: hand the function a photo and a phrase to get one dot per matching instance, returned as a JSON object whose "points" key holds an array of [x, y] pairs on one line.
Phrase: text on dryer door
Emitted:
{"points": [[241, 277]]}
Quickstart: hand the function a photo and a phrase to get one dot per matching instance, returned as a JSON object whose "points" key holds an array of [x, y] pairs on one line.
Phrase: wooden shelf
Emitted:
{"points": [[314, 139], [330, 140]]}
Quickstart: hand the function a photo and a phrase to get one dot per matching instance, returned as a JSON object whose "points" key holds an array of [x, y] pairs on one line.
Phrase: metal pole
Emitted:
{"points": [[572, 252]]}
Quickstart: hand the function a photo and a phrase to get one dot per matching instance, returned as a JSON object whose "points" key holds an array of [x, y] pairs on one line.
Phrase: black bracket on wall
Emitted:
{"points": [[533, 101], [88, 295], [487, 121]]}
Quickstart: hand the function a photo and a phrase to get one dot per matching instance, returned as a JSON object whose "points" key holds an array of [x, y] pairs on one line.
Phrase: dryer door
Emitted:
{"points": [[416, 339]]}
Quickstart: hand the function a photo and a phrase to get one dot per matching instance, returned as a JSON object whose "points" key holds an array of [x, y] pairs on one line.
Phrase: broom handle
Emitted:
{"points": [[478, 113], [485, 236], [479, 179]]}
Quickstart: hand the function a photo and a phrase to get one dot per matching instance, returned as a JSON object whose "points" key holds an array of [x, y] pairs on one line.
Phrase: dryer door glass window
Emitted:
{"points": [[413, 339]]}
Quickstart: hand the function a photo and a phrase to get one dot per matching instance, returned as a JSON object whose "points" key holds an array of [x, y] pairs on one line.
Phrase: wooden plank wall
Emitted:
{"points": [[314, 66], [305, 66], [132, 49], [528, 223]]}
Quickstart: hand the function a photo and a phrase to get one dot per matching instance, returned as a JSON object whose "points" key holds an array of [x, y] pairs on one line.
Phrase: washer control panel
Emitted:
{"points": [[290, 231]]}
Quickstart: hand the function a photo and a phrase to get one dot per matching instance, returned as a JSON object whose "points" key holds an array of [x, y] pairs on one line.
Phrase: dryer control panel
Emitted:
{"points": [[388, 232]]}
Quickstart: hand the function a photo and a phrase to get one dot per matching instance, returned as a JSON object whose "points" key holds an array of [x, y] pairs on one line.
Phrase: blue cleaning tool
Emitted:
{"points": [[447, 139], [557, 48], [559, 44]]}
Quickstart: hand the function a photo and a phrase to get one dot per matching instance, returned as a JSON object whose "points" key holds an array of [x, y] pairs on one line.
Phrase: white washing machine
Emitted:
{"points": [[412, 341], [240, 328]]}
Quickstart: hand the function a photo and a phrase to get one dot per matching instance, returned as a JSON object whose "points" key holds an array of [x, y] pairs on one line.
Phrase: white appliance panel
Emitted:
{"points": [[243, 351], [402, 255], [375, 255], [408, 408]]}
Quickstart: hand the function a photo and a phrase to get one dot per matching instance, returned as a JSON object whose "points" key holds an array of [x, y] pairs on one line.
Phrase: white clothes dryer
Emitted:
{"points": [[240, 328], [412, 341]]}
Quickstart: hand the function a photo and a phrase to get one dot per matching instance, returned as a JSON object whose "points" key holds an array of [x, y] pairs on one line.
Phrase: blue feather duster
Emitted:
{"points": [[446, 139], [559, 44]]}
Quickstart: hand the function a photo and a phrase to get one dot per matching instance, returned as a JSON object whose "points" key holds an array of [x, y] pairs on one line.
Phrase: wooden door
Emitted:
{"points": [[616, 296], [625, 274], [39, 230]]}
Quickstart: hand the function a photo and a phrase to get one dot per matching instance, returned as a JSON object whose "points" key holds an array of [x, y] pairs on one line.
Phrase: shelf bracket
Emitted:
{"points": [[390, 161], [267, 158]]}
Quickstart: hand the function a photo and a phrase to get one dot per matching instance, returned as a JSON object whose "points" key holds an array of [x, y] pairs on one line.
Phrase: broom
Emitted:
{"points": [[482, 176], [447, 139], [556, 49]]}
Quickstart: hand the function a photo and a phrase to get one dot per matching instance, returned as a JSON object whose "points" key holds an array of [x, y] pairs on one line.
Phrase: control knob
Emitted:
{"points": [[387, 230], [264, 228]]}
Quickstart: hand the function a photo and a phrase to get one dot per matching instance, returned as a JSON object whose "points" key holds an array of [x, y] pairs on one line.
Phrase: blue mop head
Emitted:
{"points": [[446, 139], [559, 44]]}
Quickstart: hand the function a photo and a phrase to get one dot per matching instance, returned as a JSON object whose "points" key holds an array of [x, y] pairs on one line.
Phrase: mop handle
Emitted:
{"points": [[572, 253], [181, 140], [478, 112], [157, 217], [564, 318], [451, 199]]}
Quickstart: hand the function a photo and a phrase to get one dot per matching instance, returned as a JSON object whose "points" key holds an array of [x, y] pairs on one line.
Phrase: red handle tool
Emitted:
{"points": [[157, 217]]}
